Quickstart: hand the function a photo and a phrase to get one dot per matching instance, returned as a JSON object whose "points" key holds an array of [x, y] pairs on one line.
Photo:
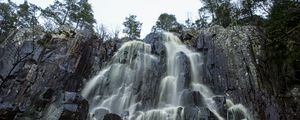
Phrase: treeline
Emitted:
{"points": [[74, 14]]}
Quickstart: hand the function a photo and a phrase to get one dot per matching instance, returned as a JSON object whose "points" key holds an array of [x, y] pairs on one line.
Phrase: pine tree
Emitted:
{"points": [[132, 27], [8, 20], [72, 13], [166, 22], [57, 12], [27, 15]]}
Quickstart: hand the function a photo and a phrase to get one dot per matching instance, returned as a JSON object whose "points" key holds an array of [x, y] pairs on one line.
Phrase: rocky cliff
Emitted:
{"points": [[42, 77], [234, 66]]}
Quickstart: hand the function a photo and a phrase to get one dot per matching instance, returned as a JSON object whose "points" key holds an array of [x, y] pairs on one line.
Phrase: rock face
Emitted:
{"points": [[68, 106], [233, 60], [52, 68]]}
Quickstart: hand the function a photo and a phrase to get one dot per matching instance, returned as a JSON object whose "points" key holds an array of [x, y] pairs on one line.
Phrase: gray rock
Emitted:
{"points": [[100, 113], [68, 106], [156, 42], [197, 113], [194, 98], [184, 67]]}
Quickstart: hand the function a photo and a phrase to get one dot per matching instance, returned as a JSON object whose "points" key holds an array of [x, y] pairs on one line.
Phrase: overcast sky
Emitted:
{"points": [[112, 13]]}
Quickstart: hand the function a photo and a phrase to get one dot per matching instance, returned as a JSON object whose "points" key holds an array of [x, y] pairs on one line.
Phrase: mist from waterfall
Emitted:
{"points": [[115, 88]]}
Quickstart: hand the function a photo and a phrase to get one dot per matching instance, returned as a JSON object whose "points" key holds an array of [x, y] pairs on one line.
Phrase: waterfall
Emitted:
{"points": [[117, 88]]}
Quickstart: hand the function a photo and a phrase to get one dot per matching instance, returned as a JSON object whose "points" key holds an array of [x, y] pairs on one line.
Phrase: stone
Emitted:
{"points": [[8, 111], [100, 113], [195, 98], [68, 106], [197, 113], [184, 67], [112, 116]]}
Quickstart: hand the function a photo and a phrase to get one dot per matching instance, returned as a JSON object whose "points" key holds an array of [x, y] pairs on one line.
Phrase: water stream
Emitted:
{"points": [[116, 88]]}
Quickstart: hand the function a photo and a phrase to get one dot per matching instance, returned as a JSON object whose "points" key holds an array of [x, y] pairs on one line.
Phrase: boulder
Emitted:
{"points": [[189, 97], [112, 116]]}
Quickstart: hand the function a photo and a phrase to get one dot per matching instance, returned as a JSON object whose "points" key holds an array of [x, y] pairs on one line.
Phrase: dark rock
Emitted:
{"points": [[186, 36], [1, 52], [220, 101], [112, 116], [149, 87], [233, 66], [8, 111], [184, 67], [156, 42], [48, 94], [194, 98], [203, 42], [197, 113]]}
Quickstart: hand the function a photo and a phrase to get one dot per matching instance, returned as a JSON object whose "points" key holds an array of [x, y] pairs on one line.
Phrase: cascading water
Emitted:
{"points": [[116, 89]]}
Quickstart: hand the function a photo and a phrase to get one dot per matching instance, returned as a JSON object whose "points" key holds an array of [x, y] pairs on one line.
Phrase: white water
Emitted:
{"points": [[113, 88]]}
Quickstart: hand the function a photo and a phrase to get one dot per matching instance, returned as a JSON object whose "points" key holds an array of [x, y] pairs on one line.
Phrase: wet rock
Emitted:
{"points": [[100, 113], [184, 70], [189, 97], [220, 102], [112, 116], [197, 113], [203, 42], [149, 87], [235, 115]]}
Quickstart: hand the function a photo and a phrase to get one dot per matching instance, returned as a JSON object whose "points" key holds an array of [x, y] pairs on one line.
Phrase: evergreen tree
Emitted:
{"points": [[27, 15], [166, 22], [132, 27], [85, 18], [203, 18], [223, 13], [283, 28], [57, 12], [8, 20], [75, 14]]}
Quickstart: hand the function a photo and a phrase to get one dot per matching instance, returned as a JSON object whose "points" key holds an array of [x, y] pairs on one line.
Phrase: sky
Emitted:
{"points": [[112, 13]]}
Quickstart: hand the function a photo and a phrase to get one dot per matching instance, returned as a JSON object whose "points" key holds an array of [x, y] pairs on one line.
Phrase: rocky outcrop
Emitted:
{"points": [[49, 67], [68, 106], [56, 105], [233, 63]]}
